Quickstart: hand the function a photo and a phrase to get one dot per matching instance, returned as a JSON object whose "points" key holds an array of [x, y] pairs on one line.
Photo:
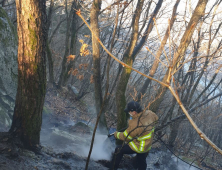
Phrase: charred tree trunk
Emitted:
{"points": [[27, 118]]}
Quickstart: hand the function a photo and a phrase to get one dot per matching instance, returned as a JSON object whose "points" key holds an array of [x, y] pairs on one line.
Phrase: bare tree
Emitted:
{"points": [[179, 55], [159, 52]]}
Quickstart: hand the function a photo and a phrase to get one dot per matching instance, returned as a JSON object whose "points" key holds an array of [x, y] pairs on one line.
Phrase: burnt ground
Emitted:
{"points": [[65, 136], [57, 151], [12, 158]]}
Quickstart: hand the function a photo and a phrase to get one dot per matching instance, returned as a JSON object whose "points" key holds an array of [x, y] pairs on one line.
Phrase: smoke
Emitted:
{"points": [[56, 135], [63, 141], [182, 165], [102, 148]]}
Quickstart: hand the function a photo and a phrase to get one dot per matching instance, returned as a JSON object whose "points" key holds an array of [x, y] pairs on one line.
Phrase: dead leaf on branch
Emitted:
{"points": [[80, 66], [125, 3], [75, 72], [87, 36], [70, 58], [80, 77], [91, 79], [81, 41], [83, 50], [85, 66], [70, 71]]}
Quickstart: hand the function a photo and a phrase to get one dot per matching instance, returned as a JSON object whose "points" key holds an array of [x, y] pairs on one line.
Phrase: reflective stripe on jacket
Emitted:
{"points": [[139, 134]]}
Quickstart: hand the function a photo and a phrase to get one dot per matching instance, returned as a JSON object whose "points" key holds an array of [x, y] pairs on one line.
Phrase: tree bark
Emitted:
{"points": [[48, 50], [63, 78], [124, 77], [27, 118], [96, 62], [73, 38]]}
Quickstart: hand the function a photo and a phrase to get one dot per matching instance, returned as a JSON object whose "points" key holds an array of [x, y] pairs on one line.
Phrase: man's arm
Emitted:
{"points": [[129, 134]]}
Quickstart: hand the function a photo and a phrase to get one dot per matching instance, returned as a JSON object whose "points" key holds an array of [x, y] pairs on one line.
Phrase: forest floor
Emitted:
{"points": [[62, 139], [65, 140]]}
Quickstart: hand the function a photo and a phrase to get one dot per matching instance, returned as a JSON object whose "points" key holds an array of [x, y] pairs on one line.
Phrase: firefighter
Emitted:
{"points": [[137, 137]]}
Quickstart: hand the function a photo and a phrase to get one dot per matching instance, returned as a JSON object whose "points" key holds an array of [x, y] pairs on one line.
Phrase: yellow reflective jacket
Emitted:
{"points": [[139, 134]]}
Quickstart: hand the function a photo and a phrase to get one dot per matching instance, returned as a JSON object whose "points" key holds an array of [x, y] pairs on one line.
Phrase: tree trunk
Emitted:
{"points": [[174, 127], [64, 76], [50, 63], [27, 118], [48, 50], [124, 77], [73, 34], [96, 62]]}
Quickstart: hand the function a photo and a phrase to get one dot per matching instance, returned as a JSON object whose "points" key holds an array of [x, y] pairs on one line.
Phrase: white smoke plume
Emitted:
{"points": [[102, 148]]}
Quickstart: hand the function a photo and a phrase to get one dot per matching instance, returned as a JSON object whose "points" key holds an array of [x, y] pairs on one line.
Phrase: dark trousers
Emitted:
{"points": [[121, 150]]}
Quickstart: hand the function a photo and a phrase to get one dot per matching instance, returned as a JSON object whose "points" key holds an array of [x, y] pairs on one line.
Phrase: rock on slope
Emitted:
{"points": [[8, 69]]}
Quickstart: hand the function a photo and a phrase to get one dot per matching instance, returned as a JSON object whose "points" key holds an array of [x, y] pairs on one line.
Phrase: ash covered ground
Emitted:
{"points": [[65, 140]]}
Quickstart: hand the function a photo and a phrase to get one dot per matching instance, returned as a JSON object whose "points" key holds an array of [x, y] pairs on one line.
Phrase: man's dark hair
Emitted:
{"points": [[133, 106]]}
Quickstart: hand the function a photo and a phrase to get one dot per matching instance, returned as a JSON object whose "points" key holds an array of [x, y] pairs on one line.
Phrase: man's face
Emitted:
{"points": [[132, 113]]}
